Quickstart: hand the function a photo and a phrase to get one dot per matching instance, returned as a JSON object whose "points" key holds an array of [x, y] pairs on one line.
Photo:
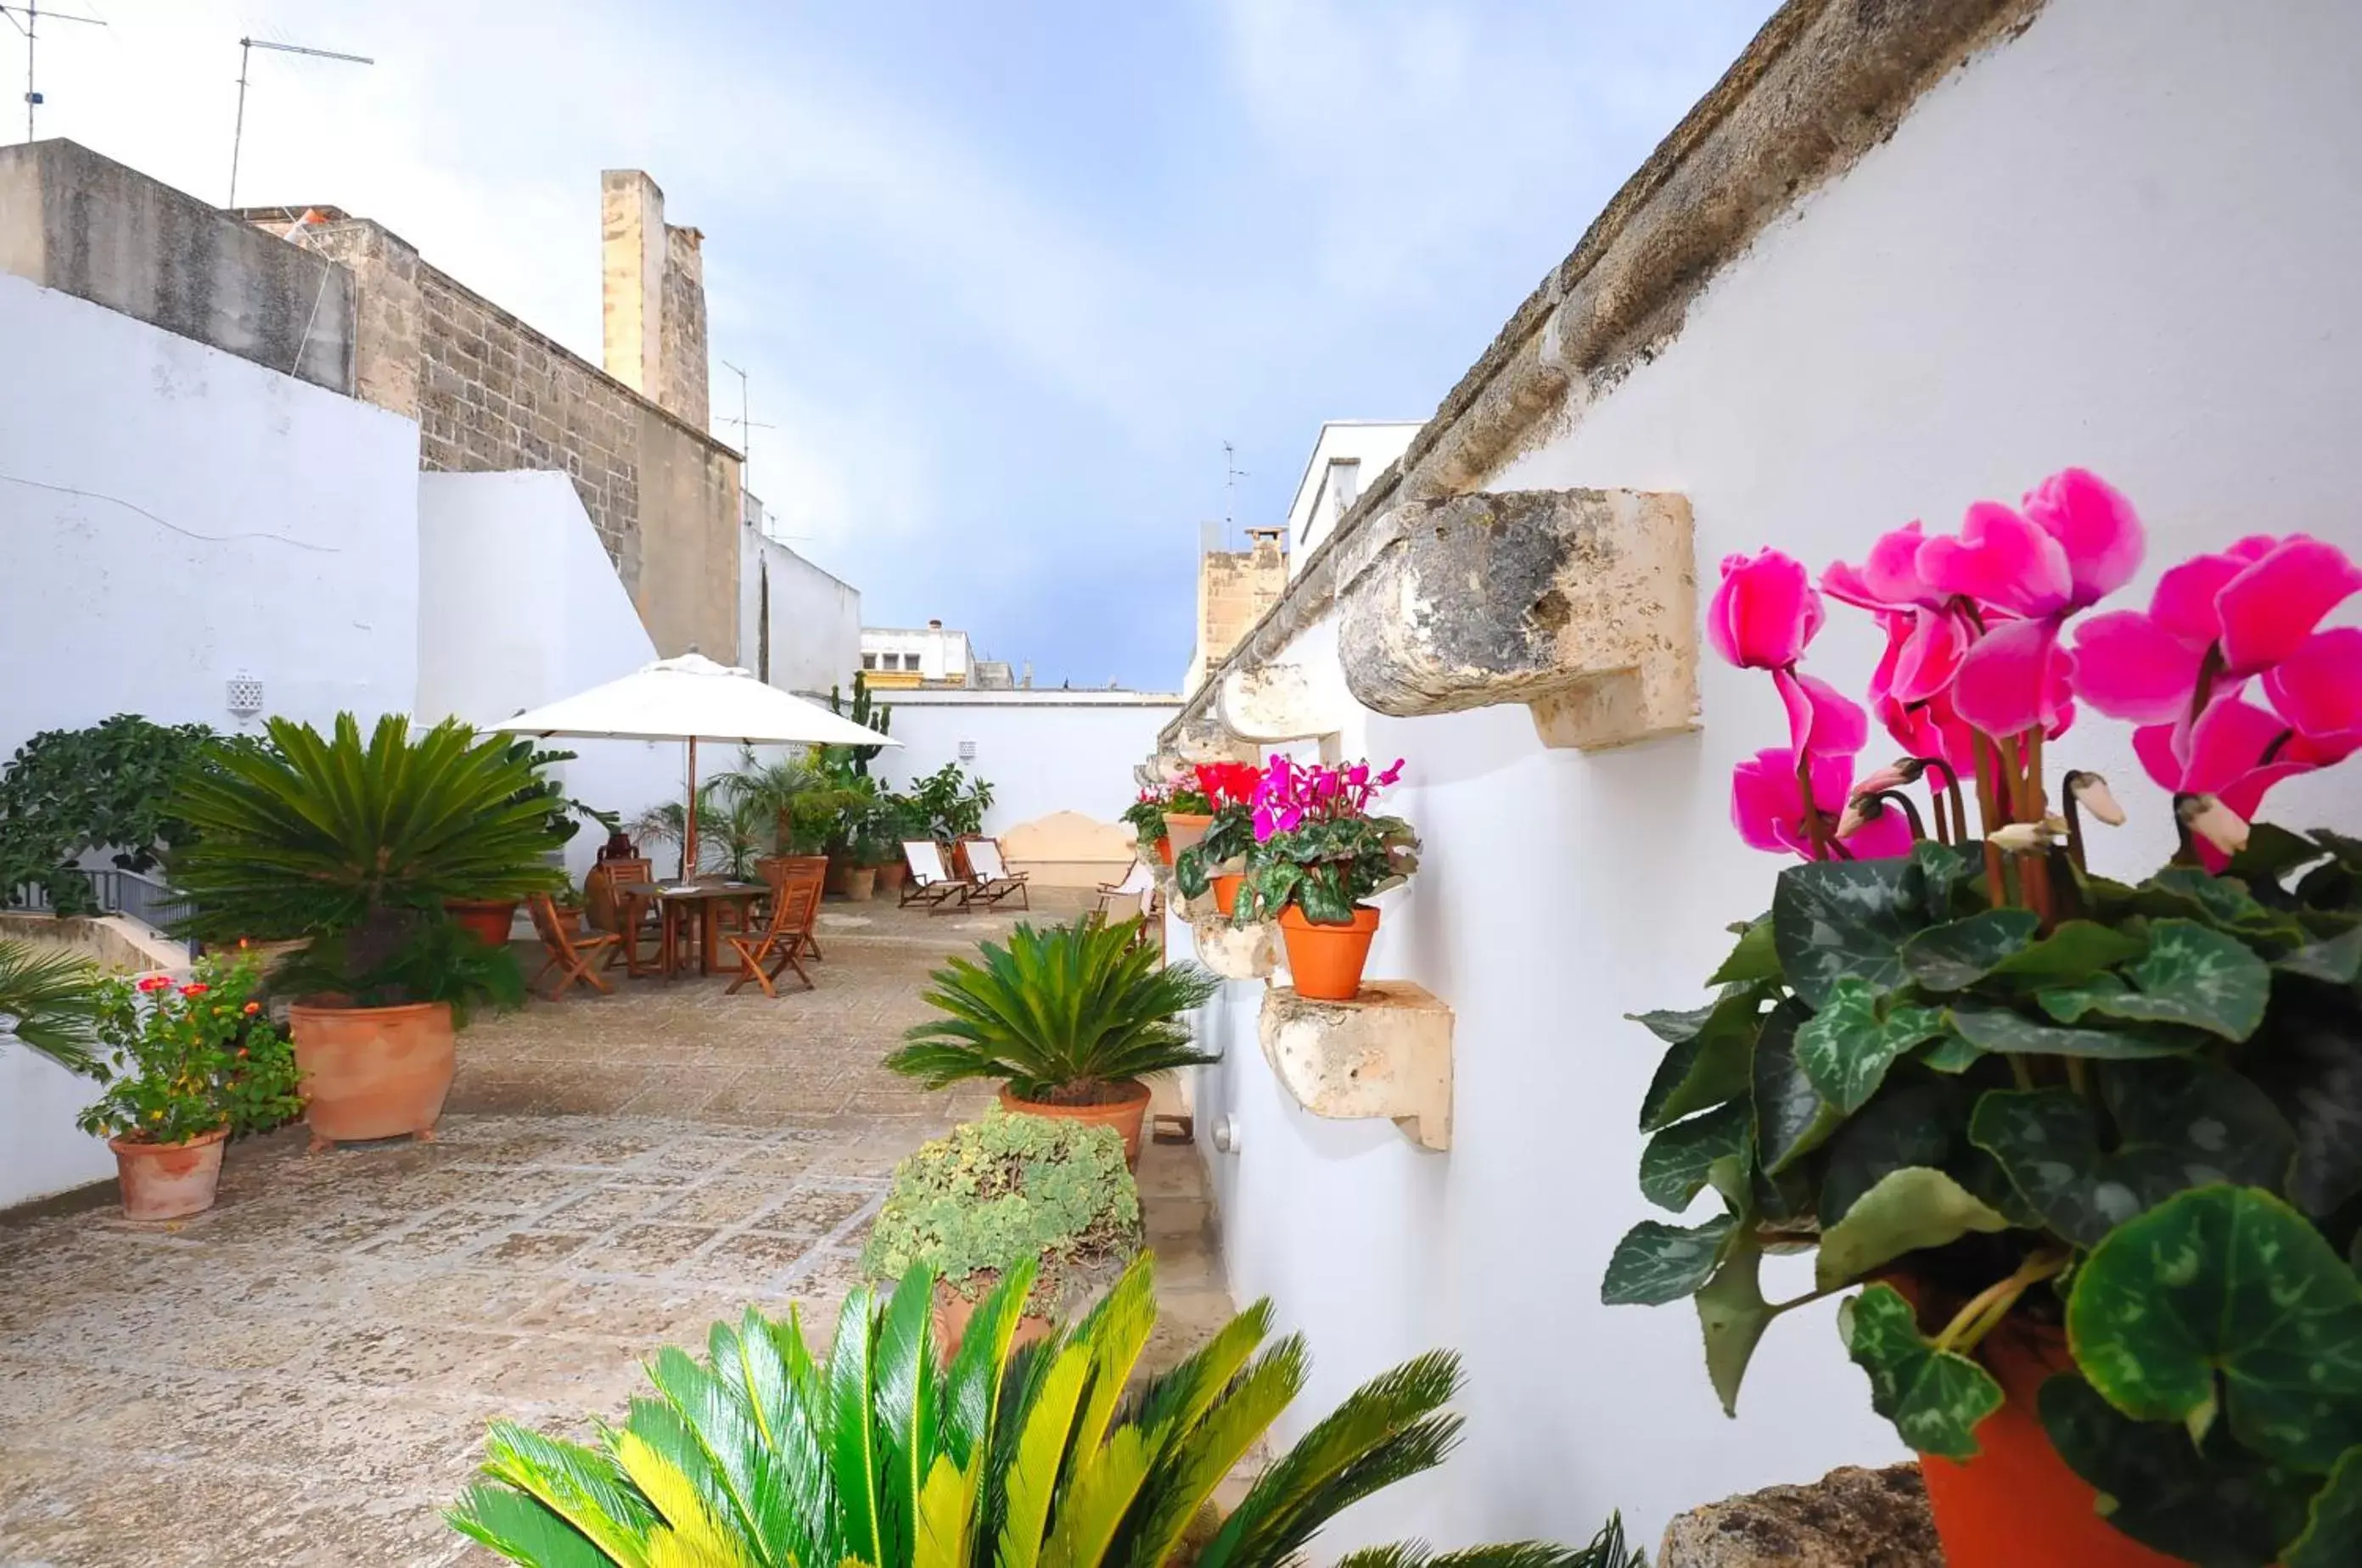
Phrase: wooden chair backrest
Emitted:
{"points": [[549, 924], [926, 858], [599, 896], [984, 857], [795, 904]]}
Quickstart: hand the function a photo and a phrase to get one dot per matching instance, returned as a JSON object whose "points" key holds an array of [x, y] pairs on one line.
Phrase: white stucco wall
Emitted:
{"points": [[815, 619], [1367, 445], [2130, 249], [173, 516], [41, 1150], [519, 606], [1042, 751]]}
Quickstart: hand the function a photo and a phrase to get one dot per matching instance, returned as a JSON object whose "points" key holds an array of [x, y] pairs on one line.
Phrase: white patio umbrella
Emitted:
{"points": [[692, 699]]}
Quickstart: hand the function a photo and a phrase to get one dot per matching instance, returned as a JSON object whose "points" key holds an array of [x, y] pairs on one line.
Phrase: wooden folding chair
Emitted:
{"points": [[570, 951], [1137, 890], [930, 883], [766, 955], [989, 878], [610, 911], [778, 870]]}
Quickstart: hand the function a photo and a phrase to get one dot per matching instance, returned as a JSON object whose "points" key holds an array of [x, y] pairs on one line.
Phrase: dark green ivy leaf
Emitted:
{"points": [[1678, 1161], [1934, 1398], [2000, 1029], [1914, 1123], [1732, 1314], [1707, 1062], [2195, 977], [1835, 918], [2333, 1534], [1752, 961], [2335, 960], [2178, 1124], [2212, 1503], [1957, 955], [1909, 1209], [1656, 1263], [1846, 1048], [2305, 1058], [1790, 1117], [2073, 953], [2226, 1294]]}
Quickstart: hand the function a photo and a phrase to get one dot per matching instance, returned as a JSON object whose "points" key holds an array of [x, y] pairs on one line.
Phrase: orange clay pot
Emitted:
{"points": [[1182, 832], [1125, 1116], [2016, 1504], [167, 1181], [1225, 891], [490, 918], [1164, 848], [953, 1312], [1326, 962], [373, 1072]]}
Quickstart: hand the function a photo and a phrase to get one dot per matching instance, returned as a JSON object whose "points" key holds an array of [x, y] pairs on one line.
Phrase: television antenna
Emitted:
{"points": [[747, 427], [245, 48], [1231, 475], [31, 26]]}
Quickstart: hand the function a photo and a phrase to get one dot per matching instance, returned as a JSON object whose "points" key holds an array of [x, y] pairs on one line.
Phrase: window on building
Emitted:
{"points": [[869, 661]]}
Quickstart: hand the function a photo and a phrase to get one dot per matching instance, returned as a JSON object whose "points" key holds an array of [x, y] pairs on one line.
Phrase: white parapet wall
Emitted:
{"points": [[2089, 245], [173, 518]]}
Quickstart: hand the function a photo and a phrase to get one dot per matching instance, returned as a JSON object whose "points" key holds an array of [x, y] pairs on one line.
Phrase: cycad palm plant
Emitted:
{"points": [[765, 1456], [49, 1001], [1064, 1014], [357, 845]]}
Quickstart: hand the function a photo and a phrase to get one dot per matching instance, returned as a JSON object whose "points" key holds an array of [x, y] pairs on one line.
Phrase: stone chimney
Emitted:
{"points": [[655, 297], [1234, 588]]}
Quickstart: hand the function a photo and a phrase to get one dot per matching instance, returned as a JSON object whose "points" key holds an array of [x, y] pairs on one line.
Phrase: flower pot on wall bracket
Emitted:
{"points": [[1183, 829], [1164, 848], [1237, 952], [1225, 891], [169, 1181], [1387, 1053], [373, 1072], [1326, 962]]}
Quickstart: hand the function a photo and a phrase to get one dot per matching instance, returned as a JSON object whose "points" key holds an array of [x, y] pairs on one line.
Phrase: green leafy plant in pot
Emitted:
{"points": [[189, 1065], [1064, 1452], [354, 846], [1320, 855], [1069, 1018], [1218, 858], [969, 1207], [2084, 1149], [494, 919]]}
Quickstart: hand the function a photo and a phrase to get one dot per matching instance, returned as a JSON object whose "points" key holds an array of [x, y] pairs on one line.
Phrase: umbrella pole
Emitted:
{"points": [[689, 846]]}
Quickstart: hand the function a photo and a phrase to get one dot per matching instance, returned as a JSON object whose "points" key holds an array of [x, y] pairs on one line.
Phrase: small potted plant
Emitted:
{"points": [[1318, 855], [1146, 816], [188, 1067], [799, 800], [1070, 1019], [1188, 812], [353, 847], [903, 820], [993, 1194], [1219, 857], [493, 919], [2082, 1149]]}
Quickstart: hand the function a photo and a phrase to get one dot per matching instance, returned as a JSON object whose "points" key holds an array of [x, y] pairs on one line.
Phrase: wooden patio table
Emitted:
{"points": [[676, 900]]}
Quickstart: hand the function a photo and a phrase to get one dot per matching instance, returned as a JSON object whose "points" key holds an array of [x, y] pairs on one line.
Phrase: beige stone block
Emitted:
{"points": [[1386, 1053], [1236, 952]]}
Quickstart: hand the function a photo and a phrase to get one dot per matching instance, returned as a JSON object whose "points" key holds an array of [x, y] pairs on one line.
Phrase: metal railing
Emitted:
{"points": [[115, 892]]}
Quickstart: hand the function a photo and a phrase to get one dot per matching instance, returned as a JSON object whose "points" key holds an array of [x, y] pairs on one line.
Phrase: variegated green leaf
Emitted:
{"points": [[1907, 1210], [2000, 1029], [1847, 1046], [1678, 1161], [1958, 954], [1832, 919], [1656, 1263], [2195, 977], [1934, 1398]]}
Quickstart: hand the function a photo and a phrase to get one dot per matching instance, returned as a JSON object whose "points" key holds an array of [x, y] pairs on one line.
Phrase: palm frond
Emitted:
{"points": [[49, 1001]]}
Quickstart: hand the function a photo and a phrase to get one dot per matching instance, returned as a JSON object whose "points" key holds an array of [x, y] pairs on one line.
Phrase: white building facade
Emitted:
{"points": [[1349, 455], [892, 656], [1901, 259]]}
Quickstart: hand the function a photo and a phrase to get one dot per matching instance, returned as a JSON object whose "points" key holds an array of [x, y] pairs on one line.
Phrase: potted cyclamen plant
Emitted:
{"points": [[2086, 1147], [1318, 855], [1146, 816], [189, 1067], [1218, 858], [1188, 812]]}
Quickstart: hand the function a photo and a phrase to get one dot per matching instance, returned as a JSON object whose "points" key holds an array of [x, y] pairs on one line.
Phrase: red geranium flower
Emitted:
{"points": [[197, 990]]}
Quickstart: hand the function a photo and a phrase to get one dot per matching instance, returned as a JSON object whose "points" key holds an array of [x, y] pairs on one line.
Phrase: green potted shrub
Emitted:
{"points": [[881, 1453], [950, 803], [1146, 816], [188, 1067], [352, 847], [993, 1193], [903, 819], [1070, 1019], [798, 801], [2082, 1150], [494, 918], [107, 787]]}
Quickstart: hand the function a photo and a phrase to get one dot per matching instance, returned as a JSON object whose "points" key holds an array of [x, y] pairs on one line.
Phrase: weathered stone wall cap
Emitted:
{"points": [[1851, 1518]]}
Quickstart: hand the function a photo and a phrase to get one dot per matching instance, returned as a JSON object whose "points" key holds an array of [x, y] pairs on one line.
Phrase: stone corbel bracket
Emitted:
{"points": [[1386, 1053], [1236, 952], [1285, 701], [1581, 604]]}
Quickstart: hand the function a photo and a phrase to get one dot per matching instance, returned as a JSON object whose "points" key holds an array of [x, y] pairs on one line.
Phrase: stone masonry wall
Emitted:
{"points": [[684, 388]]}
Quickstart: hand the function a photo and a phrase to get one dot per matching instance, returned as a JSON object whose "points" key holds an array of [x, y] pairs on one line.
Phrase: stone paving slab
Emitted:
{"points": [[303, 1374]]}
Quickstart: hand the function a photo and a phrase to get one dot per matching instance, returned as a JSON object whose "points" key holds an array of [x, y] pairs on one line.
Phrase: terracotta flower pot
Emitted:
{"points": [[2016, 1504], [1164, 848], [861, 883], [892, 875], [167, 1181], [1226, 890], [1326, 962], [1125, 1116], [490, 918], [839, 870], [1183, 829], [373, 1072], [953, 1312]]}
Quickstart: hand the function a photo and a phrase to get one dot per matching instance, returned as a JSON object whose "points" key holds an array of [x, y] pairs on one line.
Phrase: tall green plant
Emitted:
{"points": [[951, 803], [105, 787], [881, 1455], [48, 1002], [864, 711], [1066, 1015], [356, 845]]}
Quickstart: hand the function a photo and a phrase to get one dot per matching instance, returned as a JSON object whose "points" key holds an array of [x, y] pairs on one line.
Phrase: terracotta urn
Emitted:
{"points": [[169, 1181], [373, 1072], [1326, 962]]}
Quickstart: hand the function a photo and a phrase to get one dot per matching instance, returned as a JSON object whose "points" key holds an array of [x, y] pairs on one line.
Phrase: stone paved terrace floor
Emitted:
{"points": [[302, 1374]]}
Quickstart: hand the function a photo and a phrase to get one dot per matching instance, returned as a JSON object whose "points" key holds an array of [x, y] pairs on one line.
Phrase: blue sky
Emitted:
{"points": [[1005, 275]]}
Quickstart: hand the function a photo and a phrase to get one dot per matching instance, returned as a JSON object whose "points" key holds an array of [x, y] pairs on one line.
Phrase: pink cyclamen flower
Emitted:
{"points": [[1768, 810], [2076, 540], [1927, 632], [1764, 612]]}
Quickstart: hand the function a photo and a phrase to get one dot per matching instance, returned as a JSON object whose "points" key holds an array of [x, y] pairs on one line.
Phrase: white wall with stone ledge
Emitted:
{"points": [[2123, 247]]}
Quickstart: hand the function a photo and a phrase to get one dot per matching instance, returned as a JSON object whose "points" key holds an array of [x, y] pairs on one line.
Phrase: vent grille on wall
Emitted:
{"points": [[968, 751], [245, 697]]}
